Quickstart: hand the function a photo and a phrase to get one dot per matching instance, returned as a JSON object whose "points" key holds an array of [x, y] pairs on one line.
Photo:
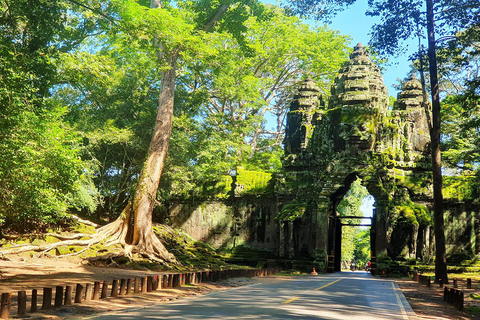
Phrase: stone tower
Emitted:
{"points": [[359, 100], [299, 120], [410, 108]]}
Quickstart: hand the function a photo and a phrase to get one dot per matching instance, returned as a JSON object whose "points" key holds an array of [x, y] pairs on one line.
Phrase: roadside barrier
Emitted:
{"points": [[421, 279], [454, 297], [451, 295], [119, 288]]}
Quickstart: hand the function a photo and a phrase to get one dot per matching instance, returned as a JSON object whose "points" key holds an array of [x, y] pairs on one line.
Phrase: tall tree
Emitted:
{"points": [[439, 224], [167, 43], [168, 32]]}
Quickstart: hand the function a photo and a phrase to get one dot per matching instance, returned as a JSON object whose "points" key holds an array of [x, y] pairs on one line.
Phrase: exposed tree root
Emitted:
{"points": [[117, 232], [44, 247], [85, 222]]}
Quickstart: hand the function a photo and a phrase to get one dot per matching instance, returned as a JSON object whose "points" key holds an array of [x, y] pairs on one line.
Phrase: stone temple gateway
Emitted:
{"points": [[327, 147], [357, 135]]}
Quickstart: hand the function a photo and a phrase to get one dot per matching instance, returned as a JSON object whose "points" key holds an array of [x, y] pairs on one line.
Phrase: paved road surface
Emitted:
{"points": [[345, 295]]}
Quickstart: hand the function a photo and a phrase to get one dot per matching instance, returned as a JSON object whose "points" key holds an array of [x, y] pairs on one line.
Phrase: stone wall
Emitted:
{"points": [[228, 223], [462, 230]]}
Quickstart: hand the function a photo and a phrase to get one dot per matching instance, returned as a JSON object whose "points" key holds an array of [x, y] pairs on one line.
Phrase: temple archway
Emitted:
{"points": [[357, 135]]}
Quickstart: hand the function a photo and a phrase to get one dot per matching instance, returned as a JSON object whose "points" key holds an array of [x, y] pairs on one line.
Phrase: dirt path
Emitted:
{"points": [[428, 302]]}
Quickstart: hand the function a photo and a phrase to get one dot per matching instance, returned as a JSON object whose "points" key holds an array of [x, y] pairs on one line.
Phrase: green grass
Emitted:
{"points": [[472, 309]]}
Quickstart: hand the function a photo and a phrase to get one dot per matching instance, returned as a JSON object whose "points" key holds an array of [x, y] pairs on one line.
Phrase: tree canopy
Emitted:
{"points": [[223, 99], [41, 170]]}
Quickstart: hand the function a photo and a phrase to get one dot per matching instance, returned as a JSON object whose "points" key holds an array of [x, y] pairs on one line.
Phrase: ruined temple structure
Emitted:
{"points": [[358, 136], [327, 147]]}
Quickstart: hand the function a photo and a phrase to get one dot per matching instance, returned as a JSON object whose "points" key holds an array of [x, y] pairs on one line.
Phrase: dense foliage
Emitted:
{"points": [[226, 91], [41, 173]]}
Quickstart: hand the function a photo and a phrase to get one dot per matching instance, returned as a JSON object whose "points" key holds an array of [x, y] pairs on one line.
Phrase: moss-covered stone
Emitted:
{"points": [[358, 136]]}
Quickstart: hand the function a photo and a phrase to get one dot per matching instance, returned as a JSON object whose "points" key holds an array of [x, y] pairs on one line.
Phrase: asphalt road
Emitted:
{"points": [[344, 295]]}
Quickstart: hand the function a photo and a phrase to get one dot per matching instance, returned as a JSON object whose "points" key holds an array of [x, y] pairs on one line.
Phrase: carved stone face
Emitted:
{"points": [[359, 98], [299, 119]]}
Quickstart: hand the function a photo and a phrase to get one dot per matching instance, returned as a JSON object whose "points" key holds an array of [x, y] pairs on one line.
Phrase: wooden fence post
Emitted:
{"points": [[88, 292], [96, 290], [114, 292], [58, 296], [136, 285], [34, 307], [47, 298], [5, 305], [129, 286], [22, 302], [149, 283], [123, 287], [176, 280], [104, 290], [165, 281], [79, 293], [68, 296], [460, 300]]}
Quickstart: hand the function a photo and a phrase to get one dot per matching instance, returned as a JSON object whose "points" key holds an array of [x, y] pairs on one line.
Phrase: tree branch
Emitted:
{"points": [[216, 17], [93, 10]]}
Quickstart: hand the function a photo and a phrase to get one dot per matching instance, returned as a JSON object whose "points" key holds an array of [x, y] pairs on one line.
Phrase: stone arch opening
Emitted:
{"points": [[346, 214]]}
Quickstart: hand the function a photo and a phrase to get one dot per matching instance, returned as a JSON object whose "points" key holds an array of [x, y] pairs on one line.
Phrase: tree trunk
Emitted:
{"points": [[439, 225], [144, 199], [422, 81]]}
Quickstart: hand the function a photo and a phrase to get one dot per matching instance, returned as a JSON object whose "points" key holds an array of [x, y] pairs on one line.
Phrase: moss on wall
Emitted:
{"points": [[253, 182], [294, 210], [461, 188]]}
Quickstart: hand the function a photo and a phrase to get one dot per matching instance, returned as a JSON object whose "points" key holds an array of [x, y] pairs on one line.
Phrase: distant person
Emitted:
{"points": [[369, 266], [352, 265]]}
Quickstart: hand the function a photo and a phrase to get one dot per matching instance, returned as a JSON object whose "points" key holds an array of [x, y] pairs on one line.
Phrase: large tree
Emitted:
{"points": [[169, 32], [222, 100]]}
